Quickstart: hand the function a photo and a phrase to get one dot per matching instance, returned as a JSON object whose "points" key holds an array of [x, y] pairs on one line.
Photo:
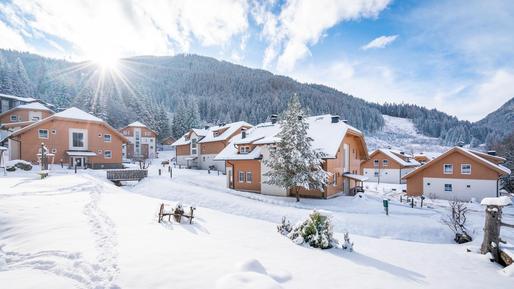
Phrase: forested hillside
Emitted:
{"points": [[199, 90]]}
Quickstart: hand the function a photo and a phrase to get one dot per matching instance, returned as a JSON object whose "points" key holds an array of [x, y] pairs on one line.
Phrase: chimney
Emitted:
{"points": [[273, 118], [335, 118], [491, 153], [243, 133], [402, 153], [345, 120], [460, 143], [206, 127]]}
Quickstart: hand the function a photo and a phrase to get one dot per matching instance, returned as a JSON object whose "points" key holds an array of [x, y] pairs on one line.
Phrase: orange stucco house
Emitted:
{"points": [[343, 145], [142, 141], [460, 174], [388, 166], [24, 115], [199, 147], [71, 136]]}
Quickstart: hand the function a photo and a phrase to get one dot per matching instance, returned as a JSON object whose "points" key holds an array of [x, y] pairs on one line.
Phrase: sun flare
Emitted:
{"points": [[105, 61]]}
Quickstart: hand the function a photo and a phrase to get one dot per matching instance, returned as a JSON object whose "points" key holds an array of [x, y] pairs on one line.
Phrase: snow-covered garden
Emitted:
{"points": [[80, 231]]}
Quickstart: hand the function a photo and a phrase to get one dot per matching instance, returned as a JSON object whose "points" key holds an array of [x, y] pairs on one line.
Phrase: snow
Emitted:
{"points": [[11, 163], [80, 231], [23, 99], [3, 148], [402, 134], [327, 136], [230, 129], [75, 113], [500, 201], [393, 155], [33, 105], [137, 124]]}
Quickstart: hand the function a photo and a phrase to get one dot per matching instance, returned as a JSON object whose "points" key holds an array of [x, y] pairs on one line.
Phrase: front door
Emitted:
{"points": [[80, 162]]}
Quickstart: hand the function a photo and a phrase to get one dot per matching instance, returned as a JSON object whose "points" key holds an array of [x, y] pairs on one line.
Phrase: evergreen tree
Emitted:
{"points": [[179, 125], [293, 163]]}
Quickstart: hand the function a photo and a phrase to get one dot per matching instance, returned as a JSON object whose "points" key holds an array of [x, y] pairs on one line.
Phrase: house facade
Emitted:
{"points": [[25, 114], [8, 102], [344, 148], [460, 174], [199, 147], [388, 166], [73, 137], [142, 141]]}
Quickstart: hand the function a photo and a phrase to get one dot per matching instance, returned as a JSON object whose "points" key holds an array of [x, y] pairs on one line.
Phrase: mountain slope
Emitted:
{"points": [[501, 121], [149, 89]]}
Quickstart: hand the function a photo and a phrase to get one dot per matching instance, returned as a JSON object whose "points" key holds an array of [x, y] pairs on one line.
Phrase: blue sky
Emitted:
{"points": [[456, 56]]}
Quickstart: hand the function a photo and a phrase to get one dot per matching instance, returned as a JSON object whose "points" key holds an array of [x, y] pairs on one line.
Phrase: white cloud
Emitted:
{"points": [[380, 42], [123, 28], [301, 23]]}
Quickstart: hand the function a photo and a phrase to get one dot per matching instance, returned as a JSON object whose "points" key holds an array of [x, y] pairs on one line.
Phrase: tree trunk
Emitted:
{"points": [[492, 225], [297, 193]]}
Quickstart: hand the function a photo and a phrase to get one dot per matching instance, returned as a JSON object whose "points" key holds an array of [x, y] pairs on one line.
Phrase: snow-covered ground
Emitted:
{"points": [[79, 231], [402, 133]]}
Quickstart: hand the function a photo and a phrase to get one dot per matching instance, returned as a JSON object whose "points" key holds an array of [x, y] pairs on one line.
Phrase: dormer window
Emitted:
{"points": [[215, 133], [14, 117], [244, 150]]}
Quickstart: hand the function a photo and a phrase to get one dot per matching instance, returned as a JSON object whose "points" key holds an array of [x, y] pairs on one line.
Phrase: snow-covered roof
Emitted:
{"points": [[207, 135], [500, 201], [75, 113], [326, 136], [478, 156], [19, 98], [395, 155], [3, 148], [230, 153], [228, 130], [137, 124], [33, 105]]}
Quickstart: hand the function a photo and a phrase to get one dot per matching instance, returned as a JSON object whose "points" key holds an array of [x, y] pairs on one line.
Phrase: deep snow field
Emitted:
{"points": [[80, 231]]}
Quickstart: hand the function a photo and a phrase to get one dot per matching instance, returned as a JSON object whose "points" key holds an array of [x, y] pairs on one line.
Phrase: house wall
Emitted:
{"points": [[30, 141], [214, 147], [369, 164], [208, 160], [148, 142], [183, 150], [479, 171], [23, 115], [462, 189], [253, 166]]}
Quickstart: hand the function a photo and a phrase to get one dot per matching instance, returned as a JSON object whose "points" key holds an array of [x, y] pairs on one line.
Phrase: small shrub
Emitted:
{"points": [[347, 245], [285, 227], [316, 231], [456, 221]]}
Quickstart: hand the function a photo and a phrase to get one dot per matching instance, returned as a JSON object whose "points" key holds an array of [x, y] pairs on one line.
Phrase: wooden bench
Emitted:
{"points": [[116, 176], [177, 214]]}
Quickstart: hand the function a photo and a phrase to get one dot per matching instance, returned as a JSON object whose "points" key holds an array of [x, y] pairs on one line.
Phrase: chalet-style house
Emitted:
{"points": [[25, 114], [388, 166], [198, 147], [8, 102], [74, 137], [142, 141], [344, 148], [460, 174], [166, 144]]}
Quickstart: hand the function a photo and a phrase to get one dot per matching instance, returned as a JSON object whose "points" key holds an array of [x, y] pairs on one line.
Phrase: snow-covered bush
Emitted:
{"points": [[347, 245], [316, 231], [18, 164], [284, 227]]}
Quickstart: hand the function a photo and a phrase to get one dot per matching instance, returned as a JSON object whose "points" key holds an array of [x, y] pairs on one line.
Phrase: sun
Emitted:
{"points": [[106, 61]]}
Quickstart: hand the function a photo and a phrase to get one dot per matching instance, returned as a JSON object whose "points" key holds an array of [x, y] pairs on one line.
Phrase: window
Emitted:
{"points": [[468, 186], [54, 151], [465, 169], [43, 133], [107, 138], [448, 169], [54, 131], [215, 133], [428, 184], [107, 154], [151, 140], [376, 174], [193, 146], [35, 118], [99, 152], [241, 176], [249, 177], [448, 187], [385, 163], [245, 149], [78, 139], [14, 118], [375, 163]]}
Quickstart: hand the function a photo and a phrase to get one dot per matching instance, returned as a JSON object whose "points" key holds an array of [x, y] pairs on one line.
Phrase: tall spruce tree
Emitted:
{"points": [[293, 163]]}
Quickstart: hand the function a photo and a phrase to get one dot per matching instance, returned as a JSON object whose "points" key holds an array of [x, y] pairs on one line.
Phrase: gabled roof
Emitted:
{"points": [[184, 141], [470, 153], [29, 106], [72, 113], [19, 98], [326, 136], [227, 131], [139, 124], [395, 155]]}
